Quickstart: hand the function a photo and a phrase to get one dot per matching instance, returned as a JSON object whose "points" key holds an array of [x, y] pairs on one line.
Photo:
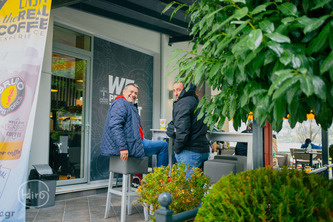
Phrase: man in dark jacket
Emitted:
{"points": [[123, 133], [190, 143]]}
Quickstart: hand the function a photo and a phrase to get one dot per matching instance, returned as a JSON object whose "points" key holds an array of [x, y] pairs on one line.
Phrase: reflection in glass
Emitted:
{"points": [[71, 38], [66, 117]]}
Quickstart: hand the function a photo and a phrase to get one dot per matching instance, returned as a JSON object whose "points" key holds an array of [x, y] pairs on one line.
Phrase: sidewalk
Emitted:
{"points": [[90, 208]]}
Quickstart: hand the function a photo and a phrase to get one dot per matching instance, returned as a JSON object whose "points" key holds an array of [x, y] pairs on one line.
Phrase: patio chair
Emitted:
{"points": [[318, 157], [126, 168], [303, 159], [296, 150], [283, 159], [223, 165]]}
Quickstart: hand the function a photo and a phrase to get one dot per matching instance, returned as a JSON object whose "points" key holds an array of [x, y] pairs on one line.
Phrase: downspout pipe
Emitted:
{"points": [[268, 143]]}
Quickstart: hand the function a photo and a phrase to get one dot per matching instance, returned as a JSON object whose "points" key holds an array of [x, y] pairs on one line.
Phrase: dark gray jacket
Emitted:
{"points": [[190, 132], [121, 130]]}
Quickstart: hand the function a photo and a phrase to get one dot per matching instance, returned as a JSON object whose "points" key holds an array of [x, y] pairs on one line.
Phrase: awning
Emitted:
{"points": [[142, 13]]}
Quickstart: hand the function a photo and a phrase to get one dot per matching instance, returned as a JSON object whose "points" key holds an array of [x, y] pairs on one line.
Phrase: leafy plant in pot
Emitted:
{"points": [[186, 193]]}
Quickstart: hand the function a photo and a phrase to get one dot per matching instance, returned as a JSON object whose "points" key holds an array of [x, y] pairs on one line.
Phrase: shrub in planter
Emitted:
{"points": [[186, 193], [269, 195]]}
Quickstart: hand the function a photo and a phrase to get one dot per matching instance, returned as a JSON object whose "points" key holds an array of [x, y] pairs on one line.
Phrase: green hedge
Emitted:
{"points": [[269, 195]]}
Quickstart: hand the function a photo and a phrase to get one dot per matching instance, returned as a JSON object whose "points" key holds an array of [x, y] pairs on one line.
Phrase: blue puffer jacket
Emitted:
{"points": [[121, 130]]}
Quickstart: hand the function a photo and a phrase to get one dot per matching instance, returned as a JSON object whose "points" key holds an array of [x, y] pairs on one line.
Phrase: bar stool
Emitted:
{"points": [[126, 168]]}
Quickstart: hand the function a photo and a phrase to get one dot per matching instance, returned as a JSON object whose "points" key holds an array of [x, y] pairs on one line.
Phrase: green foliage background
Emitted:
{"points": [[269, 195], [273, 58]]}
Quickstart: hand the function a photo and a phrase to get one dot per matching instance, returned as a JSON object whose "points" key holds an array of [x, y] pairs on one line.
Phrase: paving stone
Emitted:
{"points": [[82, 209]]}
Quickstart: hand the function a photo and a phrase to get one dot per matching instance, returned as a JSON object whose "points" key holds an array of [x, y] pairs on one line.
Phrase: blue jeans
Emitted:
{"points": [[158, 147], [193, 159]]}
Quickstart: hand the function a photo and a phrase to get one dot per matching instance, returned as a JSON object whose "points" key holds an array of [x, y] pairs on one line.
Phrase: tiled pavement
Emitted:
{"points": [[89, 208]]}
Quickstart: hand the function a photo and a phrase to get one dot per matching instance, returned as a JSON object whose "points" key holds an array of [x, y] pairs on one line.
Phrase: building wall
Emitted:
{"points": [[39, 153], [146, 41]]}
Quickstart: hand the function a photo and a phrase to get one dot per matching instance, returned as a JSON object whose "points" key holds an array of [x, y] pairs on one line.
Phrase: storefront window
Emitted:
{"points": [[71, 38], [66, 117]]}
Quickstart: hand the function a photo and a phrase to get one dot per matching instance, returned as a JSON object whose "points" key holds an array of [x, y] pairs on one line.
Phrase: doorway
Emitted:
{"points": [[67, 117]]}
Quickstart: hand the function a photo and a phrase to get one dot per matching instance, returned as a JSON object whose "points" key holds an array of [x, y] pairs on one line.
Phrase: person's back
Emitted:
{"points": [[309, 142], [241, 148], [190, 143], [191, 132]]}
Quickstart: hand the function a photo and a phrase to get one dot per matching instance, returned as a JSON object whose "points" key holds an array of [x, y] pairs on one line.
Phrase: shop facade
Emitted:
{"points": [[88, 60]]}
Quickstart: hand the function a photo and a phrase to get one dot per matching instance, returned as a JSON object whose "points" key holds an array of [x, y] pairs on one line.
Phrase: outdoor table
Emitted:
{"points": [[311, 158], [159, 134], [235, 137], [311, 155]]}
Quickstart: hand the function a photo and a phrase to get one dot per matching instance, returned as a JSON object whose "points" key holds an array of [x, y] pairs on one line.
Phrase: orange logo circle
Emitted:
{"points": [[12, 92], [8, 96]]}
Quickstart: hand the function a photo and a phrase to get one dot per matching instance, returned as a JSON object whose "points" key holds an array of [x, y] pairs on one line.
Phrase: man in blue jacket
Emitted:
{"points": [[307, 142], [123, 135]]}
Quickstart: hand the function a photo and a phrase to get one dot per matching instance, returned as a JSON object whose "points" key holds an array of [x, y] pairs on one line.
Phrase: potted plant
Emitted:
{"points": [[186, 193]]}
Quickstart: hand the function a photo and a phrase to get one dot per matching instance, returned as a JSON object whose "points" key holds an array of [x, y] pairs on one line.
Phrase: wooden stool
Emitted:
{"points": [[126, 168]]}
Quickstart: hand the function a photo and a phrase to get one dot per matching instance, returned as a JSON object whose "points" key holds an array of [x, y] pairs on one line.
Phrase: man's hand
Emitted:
{"points": [[124, 155], [215, 146], [171, 130]]}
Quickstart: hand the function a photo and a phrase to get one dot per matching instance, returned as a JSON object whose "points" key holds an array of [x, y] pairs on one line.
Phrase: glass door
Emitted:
{"points": [[67, 117]]}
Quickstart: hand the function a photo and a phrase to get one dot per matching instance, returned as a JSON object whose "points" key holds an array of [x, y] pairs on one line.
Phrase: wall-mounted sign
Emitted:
{"points": [[114, 67]]}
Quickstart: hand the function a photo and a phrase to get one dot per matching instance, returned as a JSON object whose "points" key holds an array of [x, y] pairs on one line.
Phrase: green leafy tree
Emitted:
{"points": [[273, 58]]}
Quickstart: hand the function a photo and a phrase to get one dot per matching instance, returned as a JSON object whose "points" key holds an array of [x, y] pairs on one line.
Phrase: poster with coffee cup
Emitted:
{"points": [[23, 31]]}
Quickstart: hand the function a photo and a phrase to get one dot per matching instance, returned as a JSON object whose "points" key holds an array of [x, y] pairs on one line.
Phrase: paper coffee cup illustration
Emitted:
{"points": [[17, 89], [162, 123]]}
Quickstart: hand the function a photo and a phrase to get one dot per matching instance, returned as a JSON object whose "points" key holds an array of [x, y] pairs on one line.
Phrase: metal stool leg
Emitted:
{"points": [[129, 197], [108, 198], [145, 212], [123, 198], [145, 208], [125, 168]]}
